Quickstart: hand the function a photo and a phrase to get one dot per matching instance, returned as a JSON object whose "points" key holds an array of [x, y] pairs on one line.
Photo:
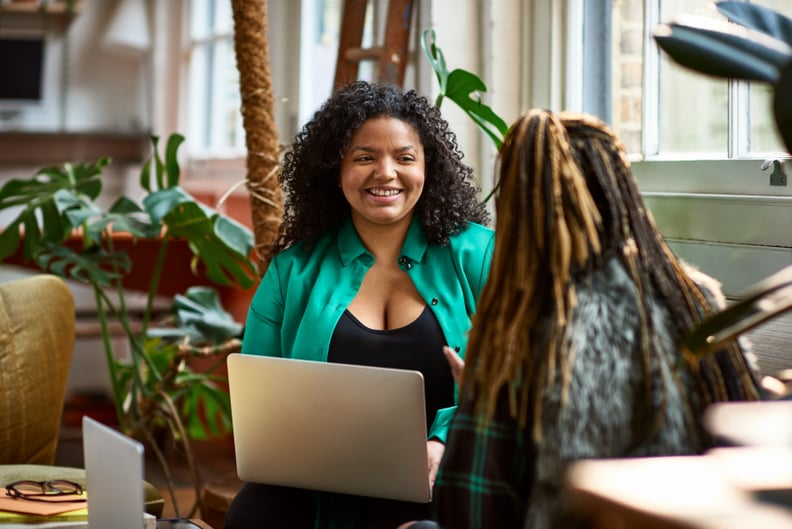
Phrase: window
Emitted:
{"points": [[303, 43], [663, 110], [214, 120], [697, 143], [322, 24]]}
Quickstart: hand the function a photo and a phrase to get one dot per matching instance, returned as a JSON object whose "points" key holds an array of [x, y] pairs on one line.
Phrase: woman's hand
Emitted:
{"points": [[434, 452], [456, 363]]}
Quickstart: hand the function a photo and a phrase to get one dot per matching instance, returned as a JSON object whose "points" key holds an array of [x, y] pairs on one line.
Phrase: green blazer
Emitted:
{"points": [[304, 292]]}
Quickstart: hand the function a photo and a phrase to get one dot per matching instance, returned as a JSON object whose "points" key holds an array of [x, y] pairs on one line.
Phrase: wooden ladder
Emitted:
{"points": [[391, 56]]}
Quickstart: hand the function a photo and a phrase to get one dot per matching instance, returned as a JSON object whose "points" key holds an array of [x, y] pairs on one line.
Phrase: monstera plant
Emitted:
{"points": [[60, 225], [464, 89], [752, 43]]}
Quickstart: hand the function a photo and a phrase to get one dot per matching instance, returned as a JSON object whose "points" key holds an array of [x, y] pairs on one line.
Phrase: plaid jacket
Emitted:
{"points": [[486, 475]]}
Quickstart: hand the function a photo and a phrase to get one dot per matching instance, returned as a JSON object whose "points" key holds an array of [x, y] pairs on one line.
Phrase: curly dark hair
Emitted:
{"points": [[314, 202]]}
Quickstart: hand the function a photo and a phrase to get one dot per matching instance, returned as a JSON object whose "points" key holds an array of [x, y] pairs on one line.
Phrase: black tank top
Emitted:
{"points": [[417, 346]]}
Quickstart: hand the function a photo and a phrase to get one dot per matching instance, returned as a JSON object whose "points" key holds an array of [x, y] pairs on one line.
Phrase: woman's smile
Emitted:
{"points": [[382, 172], [384, 192]]}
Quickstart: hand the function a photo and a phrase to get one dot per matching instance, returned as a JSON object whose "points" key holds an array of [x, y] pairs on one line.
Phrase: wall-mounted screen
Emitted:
{"points": [[21, 62]]}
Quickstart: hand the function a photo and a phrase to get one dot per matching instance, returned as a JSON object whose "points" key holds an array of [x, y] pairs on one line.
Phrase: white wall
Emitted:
{"points": [[87, 84]]}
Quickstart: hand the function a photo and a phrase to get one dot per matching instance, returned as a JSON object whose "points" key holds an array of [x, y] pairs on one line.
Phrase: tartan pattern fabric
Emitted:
{"points": [[487, 472]]}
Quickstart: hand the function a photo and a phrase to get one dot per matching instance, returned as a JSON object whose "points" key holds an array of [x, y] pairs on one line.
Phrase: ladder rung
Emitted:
{"points": [[391, 55], [363, 54]]}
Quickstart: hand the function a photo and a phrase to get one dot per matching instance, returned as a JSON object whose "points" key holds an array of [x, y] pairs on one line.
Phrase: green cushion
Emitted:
{"points": [[154, 503]]}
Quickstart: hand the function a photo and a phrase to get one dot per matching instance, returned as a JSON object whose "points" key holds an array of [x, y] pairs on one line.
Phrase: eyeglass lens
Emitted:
{"points": [[44, 490]]}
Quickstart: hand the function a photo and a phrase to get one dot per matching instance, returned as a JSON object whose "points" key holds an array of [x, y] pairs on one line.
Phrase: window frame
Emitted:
{"points": [[738, 148], [719, 213]]}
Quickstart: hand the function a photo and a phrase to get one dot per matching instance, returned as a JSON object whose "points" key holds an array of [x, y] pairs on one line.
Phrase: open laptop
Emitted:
{"points": [[113, 477], [114, 466], [330, 427]]}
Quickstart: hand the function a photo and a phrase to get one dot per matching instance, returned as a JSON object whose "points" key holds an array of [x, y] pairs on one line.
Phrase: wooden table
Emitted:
{"points": [[722, 489]]}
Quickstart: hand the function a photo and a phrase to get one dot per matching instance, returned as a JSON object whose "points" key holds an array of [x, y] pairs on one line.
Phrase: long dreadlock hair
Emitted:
{"points": [[567, 203]]}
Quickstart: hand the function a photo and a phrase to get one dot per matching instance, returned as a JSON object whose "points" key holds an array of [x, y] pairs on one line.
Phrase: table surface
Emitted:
{"points": [[725, 488]]}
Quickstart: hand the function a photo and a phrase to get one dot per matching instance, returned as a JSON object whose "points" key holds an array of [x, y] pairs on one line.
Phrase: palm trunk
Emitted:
{"points": [[258, 117]]}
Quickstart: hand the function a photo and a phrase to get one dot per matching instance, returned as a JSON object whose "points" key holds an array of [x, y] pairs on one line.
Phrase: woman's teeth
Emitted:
{"points": [[384, 192]]}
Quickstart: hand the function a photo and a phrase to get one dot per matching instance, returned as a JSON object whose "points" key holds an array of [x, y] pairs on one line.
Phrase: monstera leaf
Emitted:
{"points": [[49, 205], [464, 89], [199, 315], [220, 243]]}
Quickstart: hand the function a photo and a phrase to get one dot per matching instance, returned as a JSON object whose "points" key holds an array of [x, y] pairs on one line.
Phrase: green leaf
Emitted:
{"points": [[9, 239], [94, 266], [124, 216], [465, 90], [44, 211], [171, 159], [233, 234], [145, 176], [88, 178], [217, 408], [160, 355], [52, 223], [199, 314], [125, 206], [221, 244], [160, 203], [436, 59], [159, 168], [74, 208], [198, 303], [32, 234], [208, 410]]}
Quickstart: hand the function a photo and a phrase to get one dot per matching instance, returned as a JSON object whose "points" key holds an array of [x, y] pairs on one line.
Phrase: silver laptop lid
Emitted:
{"points": [[114, 477], [332, 427]]}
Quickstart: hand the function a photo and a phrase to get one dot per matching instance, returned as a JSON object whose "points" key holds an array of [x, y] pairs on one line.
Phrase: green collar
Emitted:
{"points": [[350, 247]]}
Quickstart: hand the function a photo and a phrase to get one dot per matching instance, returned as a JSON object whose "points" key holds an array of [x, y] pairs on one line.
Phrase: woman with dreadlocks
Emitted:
{"points": [[573, 350]]}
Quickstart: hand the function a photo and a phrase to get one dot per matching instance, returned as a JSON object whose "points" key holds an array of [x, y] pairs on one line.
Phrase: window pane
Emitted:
{"points": [[226, 122], [214, 118], [200, 18], [693, 108], [325, 50], [198, 100], [223, 18], [627, 74], [694, 114], [764, 134]]}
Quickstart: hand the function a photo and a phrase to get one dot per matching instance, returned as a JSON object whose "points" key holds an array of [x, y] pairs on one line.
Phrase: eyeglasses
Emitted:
{"points": [[55, 490]]}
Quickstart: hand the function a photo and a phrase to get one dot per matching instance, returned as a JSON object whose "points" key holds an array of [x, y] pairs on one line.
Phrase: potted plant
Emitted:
{"points": [[61, 227]]}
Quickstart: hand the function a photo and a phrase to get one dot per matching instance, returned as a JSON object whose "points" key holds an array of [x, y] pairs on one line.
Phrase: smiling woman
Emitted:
{"points": [[382, 173], [380, 260]]}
